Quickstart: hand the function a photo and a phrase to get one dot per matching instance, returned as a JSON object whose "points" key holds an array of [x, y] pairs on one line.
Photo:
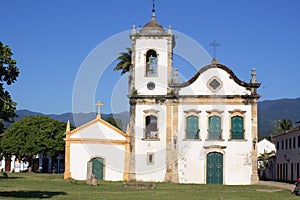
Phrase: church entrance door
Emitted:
{"points": [[214, 171], [97, 168]]}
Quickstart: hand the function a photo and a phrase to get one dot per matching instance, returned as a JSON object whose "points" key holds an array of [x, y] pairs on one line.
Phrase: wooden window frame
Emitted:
{"points": [[241, 114], [217, 113], [154, 113], [189, 113]]}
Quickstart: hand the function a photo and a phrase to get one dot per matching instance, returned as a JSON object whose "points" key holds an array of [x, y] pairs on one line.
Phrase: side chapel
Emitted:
{"points": [[201, 131]]}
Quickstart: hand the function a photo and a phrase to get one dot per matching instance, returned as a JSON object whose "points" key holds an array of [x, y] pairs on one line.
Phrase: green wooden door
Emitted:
{"points": [[214, 171], [97, 168]]}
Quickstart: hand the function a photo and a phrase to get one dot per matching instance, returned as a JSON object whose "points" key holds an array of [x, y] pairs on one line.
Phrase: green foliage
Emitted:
{"points": [[264, 157], [124, 61], [8, 75], [115, 122], [34, 135], [283, 125]]}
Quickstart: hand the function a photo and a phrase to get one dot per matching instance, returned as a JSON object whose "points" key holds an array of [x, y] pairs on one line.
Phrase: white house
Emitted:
{"points": [[265, 146], [200, 131], [287, 155]]}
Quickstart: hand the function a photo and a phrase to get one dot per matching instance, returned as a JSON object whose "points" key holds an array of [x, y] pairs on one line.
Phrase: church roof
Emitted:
{"points": [[153, 28], [220, 66]]}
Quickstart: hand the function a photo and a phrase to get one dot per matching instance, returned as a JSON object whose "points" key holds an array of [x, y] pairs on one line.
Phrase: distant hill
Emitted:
{"points": [[269, 112], [79, 118]]}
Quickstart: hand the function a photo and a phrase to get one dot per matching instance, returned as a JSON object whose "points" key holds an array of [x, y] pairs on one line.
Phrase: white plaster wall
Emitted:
{"points": [[199, 86], [156, 171], [161, 80], [113, 155], [265, 145], [192, 156], [99, 131], [238, 163], [191, 162]]}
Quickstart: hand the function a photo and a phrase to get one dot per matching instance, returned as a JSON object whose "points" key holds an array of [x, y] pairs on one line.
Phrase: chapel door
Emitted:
{"points": [[214, 171], [97, 168]]}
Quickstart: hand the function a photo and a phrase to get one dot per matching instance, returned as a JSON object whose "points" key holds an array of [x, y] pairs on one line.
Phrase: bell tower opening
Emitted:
{"points": [[151, 63]]}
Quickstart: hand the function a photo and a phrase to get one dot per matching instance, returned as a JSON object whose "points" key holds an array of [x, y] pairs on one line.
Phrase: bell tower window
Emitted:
{"points": [[151, 63]]}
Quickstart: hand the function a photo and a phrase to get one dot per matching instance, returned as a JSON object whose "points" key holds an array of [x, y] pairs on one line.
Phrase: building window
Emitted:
{"points": [[151, 131], [282, 144], [299, 141], [150, 158], [214, 127], [294, 142], [290, 143], [151, 63], [237, 127], [277, 145], [286, 144], [192, 127]]}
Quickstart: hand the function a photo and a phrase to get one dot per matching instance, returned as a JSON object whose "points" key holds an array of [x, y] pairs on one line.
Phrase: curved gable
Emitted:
{"points": [[215, 79]]}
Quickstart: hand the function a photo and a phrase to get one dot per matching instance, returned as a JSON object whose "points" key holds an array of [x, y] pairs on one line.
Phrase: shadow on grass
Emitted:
{"points": [[31, 194]]}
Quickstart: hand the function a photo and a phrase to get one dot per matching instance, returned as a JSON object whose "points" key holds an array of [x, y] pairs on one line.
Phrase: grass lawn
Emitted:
{"points": [[35, 186]]}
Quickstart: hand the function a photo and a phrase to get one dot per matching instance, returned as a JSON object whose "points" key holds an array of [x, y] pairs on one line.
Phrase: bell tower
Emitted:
{"points": [[152, 52], [149, 87]]}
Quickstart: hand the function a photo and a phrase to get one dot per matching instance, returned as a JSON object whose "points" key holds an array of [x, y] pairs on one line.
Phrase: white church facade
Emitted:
{"points": [[200, 131]]}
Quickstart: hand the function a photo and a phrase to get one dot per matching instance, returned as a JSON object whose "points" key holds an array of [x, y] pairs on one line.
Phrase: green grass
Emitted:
{"points": [[35, 186]]}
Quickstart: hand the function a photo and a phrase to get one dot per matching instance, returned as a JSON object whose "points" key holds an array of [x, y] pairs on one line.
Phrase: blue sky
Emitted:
{"points": [[52, 39]]}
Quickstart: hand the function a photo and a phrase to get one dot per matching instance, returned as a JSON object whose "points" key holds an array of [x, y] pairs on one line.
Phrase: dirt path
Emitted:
{"points": [[281, 185]]}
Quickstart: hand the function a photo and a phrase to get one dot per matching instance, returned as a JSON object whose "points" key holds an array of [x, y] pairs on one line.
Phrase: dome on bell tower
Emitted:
{"points": [[153, 28]]}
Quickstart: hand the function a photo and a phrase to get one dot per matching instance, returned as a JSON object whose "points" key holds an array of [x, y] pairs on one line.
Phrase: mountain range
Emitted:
{"points": [[269, 111]]}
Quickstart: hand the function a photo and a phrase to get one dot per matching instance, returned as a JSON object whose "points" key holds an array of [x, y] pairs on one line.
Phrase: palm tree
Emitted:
{"points": [[283, 125], [124, 61]]}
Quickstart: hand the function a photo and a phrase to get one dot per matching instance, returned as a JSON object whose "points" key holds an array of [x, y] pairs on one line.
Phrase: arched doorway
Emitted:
{"points": [[97, 168], [214, 169]]}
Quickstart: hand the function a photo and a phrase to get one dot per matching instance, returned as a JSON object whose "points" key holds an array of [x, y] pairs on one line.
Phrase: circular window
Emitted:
{"points": [[151, 85]]}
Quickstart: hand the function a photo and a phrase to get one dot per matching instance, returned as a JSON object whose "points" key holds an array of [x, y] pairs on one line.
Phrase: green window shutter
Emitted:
{"points": [[237, 127], [192, 127], [214, 129]]}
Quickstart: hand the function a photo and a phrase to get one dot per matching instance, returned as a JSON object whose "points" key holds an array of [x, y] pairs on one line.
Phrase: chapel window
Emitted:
{"points": [[151, 63], [192, 127], [214, 127], [237, 127], [151, 131]]}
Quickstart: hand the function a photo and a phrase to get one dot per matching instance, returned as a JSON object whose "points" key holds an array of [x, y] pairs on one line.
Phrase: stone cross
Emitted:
{"points": [[99, 104]]}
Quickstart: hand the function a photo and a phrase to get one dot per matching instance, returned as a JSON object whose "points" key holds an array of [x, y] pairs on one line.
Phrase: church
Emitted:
{"points": [[201, 131]]}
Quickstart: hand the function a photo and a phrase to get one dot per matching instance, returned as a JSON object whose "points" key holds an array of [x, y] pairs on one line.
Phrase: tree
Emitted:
{"points": [[8, 75], [124, 63], [115, 122], [264, 157], [33, 135], [283, 125]]}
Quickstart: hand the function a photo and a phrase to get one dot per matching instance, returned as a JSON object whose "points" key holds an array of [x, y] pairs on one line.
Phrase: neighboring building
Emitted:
{"points": [[288, 155], [200, 131], [269, 171], [40, 163]]}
